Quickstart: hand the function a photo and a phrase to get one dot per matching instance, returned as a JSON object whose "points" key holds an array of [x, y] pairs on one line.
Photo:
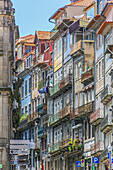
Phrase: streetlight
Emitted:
{"points": [[31, 146], [109, 151]]}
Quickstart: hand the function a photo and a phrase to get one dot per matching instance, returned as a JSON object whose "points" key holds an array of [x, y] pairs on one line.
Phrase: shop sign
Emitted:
{"points": [[0, 166]]}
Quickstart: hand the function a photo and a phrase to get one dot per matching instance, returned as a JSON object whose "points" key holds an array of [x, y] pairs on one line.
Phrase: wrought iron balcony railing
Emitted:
{"points": [[54, 118], [106, 124], [40, 84], [60, 115], [106, 95], [64, 143], [86, 108], [66, 82], [54, 147], [87, 76], [40, 109], [54, 90], [96, 117]]}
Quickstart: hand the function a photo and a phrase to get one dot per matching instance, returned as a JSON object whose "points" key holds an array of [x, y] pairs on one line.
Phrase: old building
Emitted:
{"points": [[7, 39]]}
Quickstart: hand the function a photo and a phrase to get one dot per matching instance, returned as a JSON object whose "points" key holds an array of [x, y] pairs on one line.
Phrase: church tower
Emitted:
{"points": [[6, 58]]}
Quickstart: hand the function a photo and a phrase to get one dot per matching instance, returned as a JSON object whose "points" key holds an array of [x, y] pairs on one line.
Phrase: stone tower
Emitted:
{"points": [[6, 58]]}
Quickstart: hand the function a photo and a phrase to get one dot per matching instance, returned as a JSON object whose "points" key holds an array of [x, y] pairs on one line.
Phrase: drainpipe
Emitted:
{"points": [[94, 72]]}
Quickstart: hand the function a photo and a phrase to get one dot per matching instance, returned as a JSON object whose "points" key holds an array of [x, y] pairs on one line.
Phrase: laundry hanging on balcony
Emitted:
{"points": [[43, 90]]}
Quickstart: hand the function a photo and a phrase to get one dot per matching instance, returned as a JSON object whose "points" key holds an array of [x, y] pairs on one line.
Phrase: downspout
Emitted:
{"points": [[62, 91], [94, 73]]}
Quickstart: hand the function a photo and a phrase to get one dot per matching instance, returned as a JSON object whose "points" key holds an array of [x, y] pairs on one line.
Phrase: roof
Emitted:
{"points": [[78, 3], [43, 35], [26, 39], [82, 3], [105, 27]]}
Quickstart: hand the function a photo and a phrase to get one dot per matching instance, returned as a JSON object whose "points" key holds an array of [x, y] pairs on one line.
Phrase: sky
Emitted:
{"points": [[33, 15]]}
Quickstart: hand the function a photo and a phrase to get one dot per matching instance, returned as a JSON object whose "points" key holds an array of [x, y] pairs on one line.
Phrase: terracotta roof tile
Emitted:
{"points": [[44, 35], [82, 3], [26, 39]]}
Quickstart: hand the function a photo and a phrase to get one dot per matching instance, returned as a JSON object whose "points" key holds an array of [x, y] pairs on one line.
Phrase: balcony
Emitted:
{"points": [[97, 148], [106, 124], [60, 116], [35, 116], [55, 91], [86, 108], [64, 143], [66, 83], [45, 119], [42, 132], [87, 76], [64, 112], [82, 45], [30, 118], [55, 147], [53, 33], [40, 84], [73, 113], [41, 108], [23, 124], [106, 95], [96, 117], [104, 154], [54, 119]]}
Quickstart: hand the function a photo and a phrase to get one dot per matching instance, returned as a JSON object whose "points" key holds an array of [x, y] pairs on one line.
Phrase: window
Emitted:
{"points": [[65, 101], [35, 80], [58, 106], [90, 13], [27, 63], [30, 85], [102, 67], [85, 98], [96, 73], [99, 70], [76, 100], [22, 91], [85, 130], [76, 68], [29, 134], [55, 136], [25, 87], [55, 107], [65, 43], [35, 104], [60, 103], [22, 111], [25, 109], [81, 99], [61, 134], [29, 108], [25, 135], [89, 96]]}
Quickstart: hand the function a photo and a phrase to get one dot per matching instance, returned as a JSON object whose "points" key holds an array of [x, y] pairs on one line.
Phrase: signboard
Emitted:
{"points": [[78, 164], [108, 155], [95, 160], [82, 163], [20, 152], [0, 166]]}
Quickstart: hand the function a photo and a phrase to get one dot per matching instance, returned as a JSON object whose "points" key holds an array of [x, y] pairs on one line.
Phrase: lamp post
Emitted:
{"points": [[31, 146], [109, 151]]}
